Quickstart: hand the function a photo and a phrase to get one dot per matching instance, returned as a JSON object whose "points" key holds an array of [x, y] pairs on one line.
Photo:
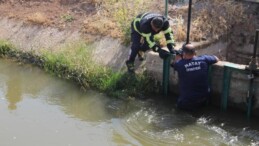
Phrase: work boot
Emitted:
{"points": [[141, 55], [130, 66]]}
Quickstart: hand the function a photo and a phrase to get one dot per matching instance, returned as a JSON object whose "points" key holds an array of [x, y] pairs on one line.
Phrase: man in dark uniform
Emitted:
{"points": [[193, 77], [143, 29]]}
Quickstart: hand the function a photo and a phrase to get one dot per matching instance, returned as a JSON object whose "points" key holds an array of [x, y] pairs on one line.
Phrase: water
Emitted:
{"points": [[37, 109]]}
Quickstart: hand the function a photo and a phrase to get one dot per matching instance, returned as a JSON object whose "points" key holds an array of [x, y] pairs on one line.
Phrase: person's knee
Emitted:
{"points": [[134, 48], [144, 47]]}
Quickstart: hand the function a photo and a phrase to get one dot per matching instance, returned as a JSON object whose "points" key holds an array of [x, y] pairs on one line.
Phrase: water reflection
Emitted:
{"points": [[55, 112], [13, 86], [19, 79], [14, 92]]}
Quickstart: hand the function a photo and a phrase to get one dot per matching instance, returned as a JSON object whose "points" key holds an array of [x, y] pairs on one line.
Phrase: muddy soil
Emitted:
{"points": [[64, 14]]}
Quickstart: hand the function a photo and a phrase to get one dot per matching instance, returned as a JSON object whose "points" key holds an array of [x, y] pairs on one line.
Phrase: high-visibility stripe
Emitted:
{"points": [[138, 20], [150, 43], [168, 30], [169, 42], [171, 36], [135, 24], [147, 36]]}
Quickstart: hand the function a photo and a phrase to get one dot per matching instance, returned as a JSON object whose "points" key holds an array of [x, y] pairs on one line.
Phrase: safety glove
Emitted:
{"points": [[171, 48], [156, 48], [163, 54], [179, 52]]}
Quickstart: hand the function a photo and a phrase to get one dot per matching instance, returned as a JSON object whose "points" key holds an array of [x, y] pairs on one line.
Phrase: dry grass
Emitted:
{"points": [[101, 26], [114, 17], [210, 18], [38, 18], [178, 28], [215, 17]]}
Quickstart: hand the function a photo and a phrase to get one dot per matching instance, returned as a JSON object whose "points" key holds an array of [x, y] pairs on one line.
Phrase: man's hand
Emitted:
{"points": [[171, 48], [156, 48], [179, 52], [163, 54]]}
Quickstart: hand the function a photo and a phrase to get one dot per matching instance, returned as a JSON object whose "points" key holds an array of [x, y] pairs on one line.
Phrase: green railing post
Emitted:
{"points": [[250, 98], [166, 8], [166, 74], [166, 63], [253, 68], [225, 88]]}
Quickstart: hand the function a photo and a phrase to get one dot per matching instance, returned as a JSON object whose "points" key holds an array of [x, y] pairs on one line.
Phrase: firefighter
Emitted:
{"points": [[143, 29]]}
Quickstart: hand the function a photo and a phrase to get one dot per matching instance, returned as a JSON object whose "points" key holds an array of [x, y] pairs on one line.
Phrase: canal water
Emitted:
{"points": [[37, 109]]}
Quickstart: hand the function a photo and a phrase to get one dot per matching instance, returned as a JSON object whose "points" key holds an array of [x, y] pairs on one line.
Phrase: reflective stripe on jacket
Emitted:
{"points": [[142, 25]]}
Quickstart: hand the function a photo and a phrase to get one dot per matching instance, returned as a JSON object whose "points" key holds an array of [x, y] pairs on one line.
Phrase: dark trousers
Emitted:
{"points": [[191, 105], [136, 45]]}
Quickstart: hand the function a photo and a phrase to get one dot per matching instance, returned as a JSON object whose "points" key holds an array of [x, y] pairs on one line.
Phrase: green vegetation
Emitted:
{"points": [[125, 12], [67, 18], [75, 63], [5, 47]]}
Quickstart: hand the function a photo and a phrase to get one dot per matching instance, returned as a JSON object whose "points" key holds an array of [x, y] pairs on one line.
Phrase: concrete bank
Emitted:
{"points": [[112, 53]]}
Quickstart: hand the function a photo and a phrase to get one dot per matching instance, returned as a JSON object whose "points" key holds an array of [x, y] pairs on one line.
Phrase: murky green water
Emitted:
{"points": [[37, 109]]}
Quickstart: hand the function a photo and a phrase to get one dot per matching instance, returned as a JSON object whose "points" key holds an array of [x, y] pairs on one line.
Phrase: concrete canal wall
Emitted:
{"points": [[111, 52]]}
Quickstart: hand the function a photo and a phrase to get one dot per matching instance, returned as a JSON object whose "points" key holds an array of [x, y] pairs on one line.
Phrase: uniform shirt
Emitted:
{"points": [[193, 78], [142, 24]]}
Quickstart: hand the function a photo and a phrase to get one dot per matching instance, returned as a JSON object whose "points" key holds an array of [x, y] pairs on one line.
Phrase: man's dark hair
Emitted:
{"points": [[158, 22], [188, 49]]}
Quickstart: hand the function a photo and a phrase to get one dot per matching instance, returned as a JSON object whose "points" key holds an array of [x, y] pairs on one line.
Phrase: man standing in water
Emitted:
{"points": [[193, 77], [143, 29]]}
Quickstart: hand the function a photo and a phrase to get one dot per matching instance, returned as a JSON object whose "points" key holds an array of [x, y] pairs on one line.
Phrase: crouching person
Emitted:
{"points": [[143, 29]]}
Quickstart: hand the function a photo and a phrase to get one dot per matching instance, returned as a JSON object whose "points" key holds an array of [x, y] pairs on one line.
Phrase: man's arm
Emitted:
{"points": [[177, 58], [169, 36], [217, 59], [211, 59]]}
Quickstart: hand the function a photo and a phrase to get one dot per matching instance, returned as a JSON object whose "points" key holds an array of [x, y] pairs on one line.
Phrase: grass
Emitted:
{"points": [[210, 18], [38, 18], [67, 18], [114, 17], [77, 65], [215, 18]]}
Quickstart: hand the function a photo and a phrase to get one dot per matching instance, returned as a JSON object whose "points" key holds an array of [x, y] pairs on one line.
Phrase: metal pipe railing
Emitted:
{"points": [[189, 22], [256, 41], [167, 61], [251, 69]]}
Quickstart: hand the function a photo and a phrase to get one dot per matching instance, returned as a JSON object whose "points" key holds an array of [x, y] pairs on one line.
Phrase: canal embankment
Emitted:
{"points": [[40, 45]]}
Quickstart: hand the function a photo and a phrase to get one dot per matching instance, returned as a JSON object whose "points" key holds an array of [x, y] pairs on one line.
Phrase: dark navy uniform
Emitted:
{"points": [[193, 80]]}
